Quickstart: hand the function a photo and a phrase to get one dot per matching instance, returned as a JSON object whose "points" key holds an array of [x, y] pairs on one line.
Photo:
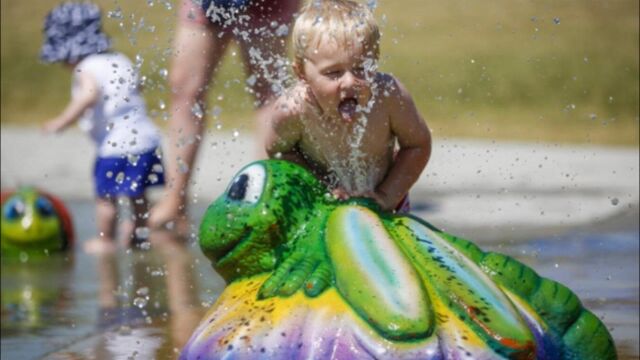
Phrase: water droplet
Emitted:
{"points": [[556, 20], [157, 272], [140, 302], [163, 73], [197, 111], [615, 201], [182, 166], [282, 30], [142, 233], [236, 133], [133, 159], [24, 257], [115, 14], [217, 110], [120, 178], [251, 80], [153, 178], [143, 291], [161, 105]]}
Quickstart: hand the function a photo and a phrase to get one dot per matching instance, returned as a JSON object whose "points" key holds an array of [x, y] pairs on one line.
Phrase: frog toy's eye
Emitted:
{"points": [[248, 185], [44, 206], [13, 209]]}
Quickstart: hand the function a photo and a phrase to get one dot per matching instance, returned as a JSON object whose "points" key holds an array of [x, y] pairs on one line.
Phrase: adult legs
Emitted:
{"points": [[198, 51]]}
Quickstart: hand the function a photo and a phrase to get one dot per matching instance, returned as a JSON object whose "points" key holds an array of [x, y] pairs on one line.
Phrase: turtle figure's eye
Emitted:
{"points": [[238, 189], [13, 209], [248, 185], [44, 206]]}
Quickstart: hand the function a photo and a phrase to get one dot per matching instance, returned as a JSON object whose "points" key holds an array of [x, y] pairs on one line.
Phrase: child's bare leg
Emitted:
{"points": [[139, 214], [106, 212]]}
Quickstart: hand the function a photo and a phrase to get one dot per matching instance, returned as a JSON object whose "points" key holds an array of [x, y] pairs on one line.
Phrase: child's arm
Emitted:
{"points": [[86, 97], [283, 133], [414, 138]]}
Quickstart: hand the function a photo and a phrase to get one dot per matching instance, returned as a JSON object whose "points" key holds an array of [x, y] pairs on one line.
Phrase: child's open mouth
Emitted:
{"points": [[347, 108]]}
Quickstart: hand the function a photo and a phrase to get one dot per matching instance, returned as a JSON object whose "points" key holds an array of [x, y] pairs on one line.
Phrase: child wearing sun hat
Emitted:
{"points": [[105, 100]]}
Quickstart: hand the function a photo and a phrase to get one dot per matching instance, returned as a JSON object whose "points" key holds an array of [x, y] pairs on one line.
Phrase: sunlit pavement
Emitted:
{"points": [[468, 184]]}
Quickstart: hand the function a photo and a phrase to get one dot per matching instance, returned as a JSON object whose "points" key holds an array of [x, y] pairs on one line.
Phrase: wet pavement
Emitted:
{"points": [[570, 212], [468, 184]]}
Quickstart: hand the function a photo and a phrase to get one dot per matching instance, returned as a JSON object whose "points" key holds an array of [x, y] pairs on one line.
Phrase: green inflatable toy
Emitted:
{"points": [[310, 277], [34, 223]]}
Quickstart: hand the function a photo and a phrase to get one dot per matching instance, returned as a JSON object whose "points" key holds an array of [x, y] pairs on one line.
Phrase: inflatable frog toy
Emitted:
{"points": [[310, 277], [34, 222]]}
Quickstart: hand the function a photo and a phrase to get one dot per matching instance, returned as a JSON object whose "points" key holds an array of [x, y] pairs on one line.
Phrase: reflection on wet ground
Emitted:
{"points": [[601, 268], [144, 304]]}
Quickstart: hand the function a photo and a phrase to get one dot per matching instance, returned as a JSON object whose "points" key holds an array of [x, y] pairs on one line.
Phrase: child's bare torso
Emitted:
{"points": [[355, 155]]}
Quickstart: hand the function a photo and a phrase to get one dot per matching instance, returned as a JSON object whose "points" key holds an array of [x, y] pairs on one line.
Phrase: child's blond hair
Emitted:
{"points": [[343, 21]]}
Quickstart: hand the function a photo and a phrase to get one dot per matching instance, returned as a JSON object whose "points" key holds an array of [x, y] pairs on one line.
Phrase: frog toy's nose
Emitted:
{"points": [[31, 224], [27, 222]]}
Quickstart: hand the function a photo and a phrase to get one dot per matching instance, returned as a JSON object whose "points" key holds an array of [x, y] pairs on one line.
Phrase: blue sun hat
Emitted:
{"points": [[73, 31]]}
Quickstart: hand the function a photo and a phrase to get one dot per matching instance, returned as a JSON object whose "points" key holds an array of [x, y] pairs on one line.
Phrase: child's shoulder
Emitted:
{"points": [[292, 103], [389, 84]]}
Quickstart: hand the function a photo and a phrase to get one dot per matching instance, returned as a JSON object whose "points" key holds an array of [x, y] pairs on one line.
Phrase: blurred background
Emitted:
{"points": [[534, 108], [527, 70]]}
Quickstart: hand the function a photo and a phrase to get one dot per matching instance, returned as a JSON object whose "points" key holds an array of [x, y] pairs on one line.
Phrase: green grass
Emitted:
{"points": [[562, 71]]}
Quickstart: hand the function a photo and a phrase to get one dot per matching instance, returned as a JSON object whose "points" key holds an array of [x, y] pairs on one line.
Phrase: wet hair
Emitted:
{"points": [[72, 31], [344, 21]]}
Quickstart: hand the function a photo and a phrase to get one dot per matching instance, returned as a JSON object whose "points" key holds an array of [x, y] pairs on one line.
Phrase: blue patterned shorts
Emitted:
{"points": [[128, 175]]}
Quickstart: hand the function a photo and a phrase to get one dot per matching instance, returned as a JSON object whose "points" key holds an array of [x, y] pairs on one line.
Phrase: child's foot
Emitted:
{"points": [[100, 246]]}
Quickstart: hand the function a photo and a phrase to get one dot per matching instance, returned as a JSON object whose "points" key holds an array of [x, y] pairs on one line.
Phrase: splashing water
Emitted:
{"points": [[353, 173], [197, 111]]}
